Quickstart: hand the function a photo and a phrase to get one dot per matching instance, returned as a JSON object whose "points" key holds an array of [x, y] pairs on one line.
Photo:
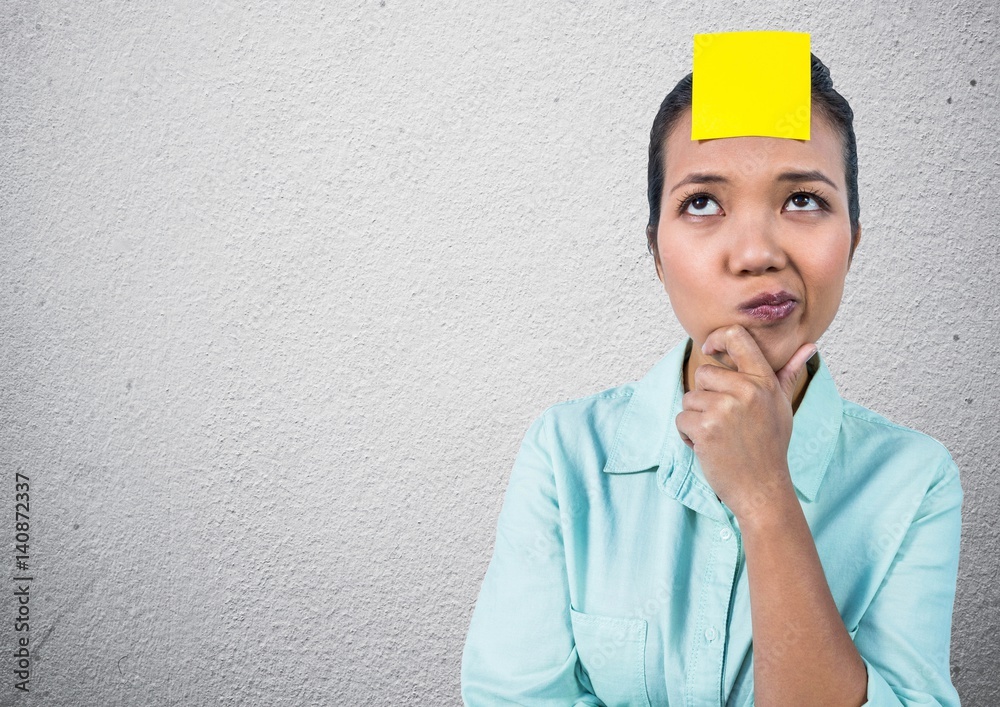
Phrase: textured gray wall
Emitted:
{"points": [[283, 287]]}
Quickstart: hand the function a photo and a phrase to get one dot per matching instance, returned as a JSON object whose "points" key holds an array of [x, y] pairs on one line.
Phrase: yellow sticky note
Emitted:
{"points": [[751, 83]]}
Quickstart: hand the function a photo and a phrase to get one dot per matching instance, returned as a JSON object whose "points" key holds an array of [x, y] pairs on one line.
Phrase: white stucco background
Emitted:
{"points": [[284, 285]]}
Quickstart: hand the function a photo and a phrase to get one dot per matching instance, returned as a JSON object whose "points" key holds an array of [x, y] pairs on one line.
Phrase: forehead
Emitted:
{"points": [[753, 158]]}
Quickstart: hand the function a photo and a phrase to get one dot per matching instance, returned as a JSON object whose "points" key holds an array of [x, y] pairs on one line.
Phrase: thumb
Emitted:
{"points": [[789, 375]]}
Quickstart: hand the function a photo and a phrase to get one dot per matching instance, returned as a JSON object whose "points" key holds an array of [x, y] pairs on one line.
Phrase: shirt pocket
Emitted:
{"points": [[613, 652]]}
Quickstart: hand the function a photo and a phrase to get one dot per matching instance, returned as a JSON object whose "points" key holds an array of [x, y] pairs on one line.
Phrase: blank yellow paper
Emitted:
{"points": [[751, 83]]}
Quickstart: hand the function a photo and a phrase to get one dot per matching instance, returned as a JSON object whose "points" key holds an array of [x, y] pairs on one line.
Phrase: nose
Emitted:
{"points": [[755, 247]]}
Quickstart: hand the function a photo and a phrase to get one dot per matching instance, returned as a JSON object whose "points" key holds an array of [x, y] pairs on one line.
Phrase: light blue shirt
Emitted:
{"points": [[618, 577]]}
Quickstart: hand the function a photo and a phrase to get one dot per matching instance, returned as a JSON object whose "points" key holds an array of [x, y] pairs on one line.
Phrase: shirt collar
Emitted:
{"points": [[647, 436]]}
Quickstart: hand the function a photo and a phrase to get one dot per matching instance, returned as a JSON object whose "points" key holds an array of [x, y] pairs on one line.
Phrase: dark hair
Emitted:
{"points": [[825, 99]]}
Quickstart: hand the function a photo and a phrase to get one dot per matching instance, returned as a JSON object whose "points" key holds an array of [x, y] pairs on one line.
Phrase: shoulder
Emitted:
{"points": [[592, 406], [896, 449], [593, 416], [576, 435], [566, 445]]}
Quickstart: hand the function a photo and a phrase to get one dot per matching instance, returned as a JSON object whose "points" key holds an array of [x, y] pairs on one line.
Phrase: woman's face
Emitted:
{"points": [[742, 225]]}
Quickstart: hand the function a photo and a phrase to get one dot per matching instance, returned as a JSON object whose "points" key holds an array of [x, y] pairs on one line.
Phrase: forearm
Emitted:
{"points": [[803, 654]]}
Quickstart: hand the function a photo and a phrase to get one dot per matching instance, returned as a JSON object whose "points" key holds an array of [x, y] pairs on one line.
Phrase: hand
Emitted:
{"points": [[739, 423]]}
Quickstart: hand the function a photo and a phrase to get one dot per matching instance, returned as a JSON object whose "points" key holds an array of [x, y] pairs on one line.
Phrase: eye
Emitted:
{"points": [[699, 205], [801, 201]]}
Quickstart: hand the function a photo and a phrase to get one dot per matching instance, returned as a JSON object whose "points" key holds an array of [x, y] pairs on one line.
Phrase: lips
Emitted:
{"points": [[768, 298], [770, 306]]}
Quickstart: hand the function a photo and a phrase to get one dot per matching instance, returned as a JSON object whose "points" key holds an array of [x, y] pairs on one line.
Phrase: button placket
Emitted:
{"points": [[711, 633], [716, 598]]}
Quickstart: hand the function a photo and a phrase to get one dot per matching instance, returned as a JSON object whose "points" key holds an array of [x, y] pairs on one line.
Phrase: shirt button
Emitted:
{"points": [[725, 533], [711, 634]]}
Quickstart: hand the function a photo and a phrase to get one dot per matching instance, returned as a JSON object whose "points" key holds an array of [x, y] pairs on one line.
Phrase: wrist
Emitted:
{"points": [[771, 506]]}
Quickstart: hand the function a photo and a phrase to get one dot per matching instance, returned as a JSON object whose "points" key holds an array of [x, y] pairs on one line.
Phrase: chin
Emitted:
{"points": [[779, 359], [778, 351]]}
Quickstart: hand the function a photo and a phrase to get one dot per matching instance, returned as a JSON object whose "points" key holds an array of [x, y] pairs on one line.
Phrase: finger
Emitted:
{"points": [[698, 400], [721, 360], [717, 380], [686, 422], [736, 341], [791, 372]]}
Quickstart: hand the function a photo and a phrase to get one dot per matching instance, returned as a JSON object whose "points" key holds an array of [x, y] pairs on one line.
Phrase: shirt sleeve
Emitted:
{"points": [[520, 648], [905, 635]]}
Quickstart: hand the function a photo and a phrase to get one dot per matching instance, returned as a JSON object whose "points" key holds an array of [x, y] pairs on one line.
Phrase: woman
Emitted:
{"points": [[650, 530]]}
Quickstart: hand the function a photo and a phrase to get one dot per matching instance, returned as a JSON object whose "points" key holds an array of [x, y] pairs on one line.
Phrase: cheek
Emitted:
{"points": [[824, 277], [692, 289], [682, 264], [678, 282]]}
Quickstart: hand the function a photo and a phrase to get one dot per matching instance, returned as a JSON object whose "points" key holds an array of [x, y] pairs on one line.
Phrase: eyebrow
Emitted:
{"points": [[811, 175]]}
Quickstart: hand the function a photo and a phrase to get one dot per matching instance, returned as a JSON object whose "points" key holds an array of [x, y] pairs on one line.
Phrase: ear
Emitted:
{"points": [[651, 243], [854, 245]]}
